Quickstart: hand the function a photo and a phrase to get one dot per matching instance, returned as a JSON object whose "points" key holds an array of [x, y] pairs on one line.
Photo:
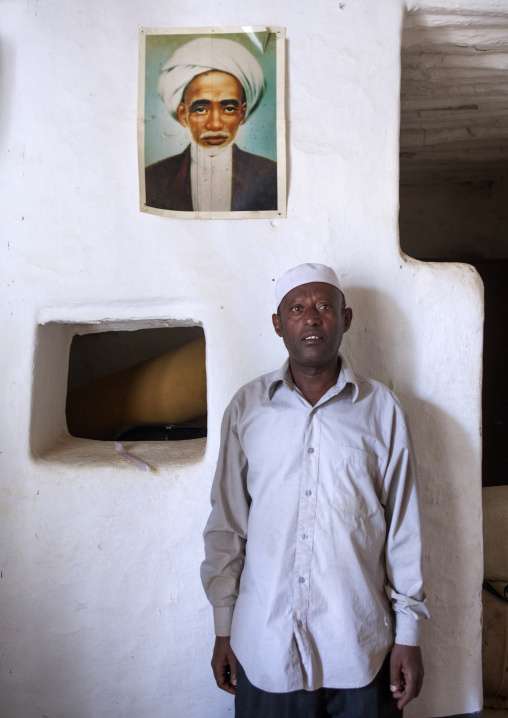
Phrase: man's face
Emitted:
{"points": [[213, 108], [312, 321]]}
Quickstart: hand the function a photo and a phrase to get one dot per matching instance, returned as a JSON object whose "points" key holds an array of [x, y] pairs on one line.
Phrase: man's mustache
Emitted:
{"points": [[209, 133]]}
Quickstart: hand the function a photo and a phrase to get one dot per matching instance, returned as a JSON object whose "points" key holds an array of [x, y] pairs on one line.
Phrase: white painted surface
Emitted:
{"points": [[102, 609]]}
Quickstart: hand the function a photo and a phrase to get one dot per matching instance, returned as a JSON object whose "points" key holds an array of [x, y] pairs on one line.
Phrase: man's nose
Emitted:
{"points": [[312, 317], [214, 119]]}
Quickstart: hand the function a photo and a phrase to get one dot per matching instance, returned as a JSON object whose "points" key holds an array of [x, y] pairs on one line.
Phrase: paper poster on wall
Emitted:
{"points": [[211, 126]]}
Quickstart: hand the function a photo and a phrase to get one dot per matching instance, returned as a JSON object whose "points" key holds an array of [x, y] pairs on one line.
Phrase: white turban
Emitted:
{"points": [[303, 274], [203, 55]]}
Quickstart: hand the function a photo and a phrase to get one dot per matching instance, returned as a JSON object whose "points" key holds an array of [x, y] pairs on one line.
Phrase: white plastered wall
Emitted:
{"points": [[102, 612]]}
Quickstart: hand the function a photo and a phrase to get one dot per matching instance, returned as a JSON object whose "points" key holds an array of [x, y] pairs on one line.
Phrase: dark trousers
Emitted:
{"points": [[372, 701]]}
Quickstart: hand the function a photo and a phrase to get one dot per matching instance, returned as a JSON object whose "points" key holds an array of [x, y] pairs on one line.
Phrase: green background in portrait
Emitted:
{"points": [[164, 136]]}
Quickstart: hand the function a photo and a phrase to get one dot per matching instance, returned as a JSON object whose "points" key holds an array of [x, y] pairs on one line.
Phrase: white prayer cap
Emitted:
{"points": [[203, 55], [303, 274]]}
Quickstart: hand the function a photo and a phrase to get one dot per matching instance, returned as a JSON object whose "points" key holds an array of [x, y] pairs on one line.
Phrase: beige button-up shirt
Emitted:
{"points": [[313, 543]]}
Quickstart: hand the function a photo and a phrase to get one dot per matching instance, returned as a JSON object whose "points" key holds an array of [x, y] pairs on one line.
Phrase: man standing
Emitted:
{"points": [[313, 543], [210, 86]]}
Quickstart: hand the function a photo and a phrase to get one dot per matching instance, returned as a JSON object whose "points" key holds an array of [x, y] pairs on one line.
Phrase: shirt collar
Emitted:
{"points": [[346, 376]]}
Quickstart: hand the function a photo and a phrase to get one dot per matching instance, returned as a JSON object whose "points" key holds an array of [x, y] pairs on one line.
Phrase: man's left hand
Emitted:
{"points": [[406, 673]]}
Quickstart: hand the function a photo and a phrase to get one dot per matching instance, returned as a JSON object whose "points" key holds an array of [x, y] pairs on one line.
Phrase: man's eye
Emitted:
{"points": [[199, 110], [295, 309], [230, 109], [323, 306]]}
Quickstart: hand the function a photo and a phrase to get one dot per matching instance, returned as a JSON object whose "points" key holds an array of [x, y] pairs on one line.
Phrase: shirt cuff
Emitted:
{"points": [[222, 618], [407, 631]]}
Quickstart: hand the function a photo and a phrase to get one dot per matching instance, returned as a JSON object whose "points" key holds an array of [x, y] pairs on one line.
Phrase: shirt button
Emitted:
{"points": [[301, 579], [305, 537], [311, 451], [308, 492]]}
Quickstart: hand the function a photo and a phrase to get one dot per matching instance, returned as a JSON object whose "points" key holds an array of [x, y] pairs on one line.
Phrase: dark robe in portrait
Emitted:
{"points": [[254, 182]]}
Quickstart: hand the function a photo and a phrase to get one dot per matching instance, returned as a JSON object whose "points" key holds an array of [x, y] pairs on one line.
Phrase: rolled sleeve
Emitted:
{"points": [[407, 631], [222, 619]]}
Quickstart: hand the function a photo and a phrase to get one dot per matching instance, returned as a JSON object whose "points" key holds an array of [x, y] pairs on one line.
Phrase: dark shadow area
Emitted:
{"points": [[495, 377]]}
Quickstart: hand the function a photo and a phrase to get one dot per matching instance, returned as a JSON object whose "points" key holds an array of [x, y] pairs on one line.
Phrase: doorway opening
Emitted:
{"points": [[454, 178]]}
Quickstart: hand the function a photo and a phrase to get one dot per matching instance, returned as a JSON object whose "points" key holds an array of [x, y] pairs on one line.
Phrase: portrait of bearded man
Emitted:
{"points": [[210, 86]]}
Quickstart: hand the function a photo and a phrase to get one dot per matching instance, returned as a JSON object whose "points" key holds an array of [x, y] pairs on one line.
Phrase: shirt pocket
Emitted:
{"points": [[356, 477]]}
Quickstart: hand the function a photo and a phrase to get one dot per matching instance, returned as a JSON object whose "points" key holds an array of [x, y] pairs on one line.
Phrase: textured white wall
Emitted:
{"points": [[102, 609]]}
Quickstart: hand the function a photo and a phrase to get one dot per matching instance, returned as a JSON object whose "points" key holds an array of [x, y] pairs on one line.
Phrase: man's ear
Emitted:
{"points": [[181, 113], [348, 318], [276, 324], [243, 110]]}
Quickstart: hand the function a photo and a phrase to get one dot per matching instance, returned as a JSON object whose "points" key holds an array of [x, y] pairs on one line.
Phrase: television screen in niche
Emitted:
{"points": [[211, 132], [144, 385]]}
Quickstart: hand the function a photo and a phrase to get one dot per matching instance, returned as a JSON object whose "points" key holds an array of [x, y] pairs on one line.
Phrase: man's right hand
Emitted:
{"points": [[224, 664]]}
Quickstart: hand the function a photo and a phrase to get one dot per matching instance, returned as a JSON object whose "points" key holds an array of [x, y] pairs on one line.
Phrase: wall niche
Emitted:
{"points": [[102, 382]]}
